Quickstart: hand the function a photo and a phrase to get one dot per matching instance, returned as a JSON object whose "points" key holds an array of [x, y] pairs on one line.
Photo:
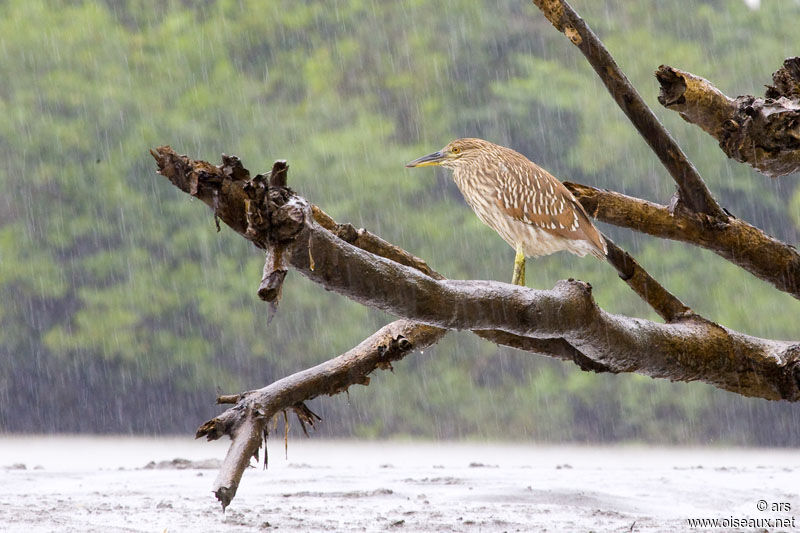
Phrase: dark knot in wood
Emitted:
{"points": [[673, 86], [233, 169], [397, 349], [278, 176], [288, 220], [275, 215]]}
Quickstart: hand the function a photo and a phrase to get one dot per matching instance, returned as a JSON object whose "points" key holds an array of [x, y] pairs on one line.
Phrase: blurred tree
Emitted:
{"points": [[106, 313]]}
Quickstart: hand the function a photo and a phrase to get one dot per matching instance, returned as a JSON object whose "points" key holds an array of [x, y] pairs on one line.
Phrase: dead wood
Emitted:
{"points": [[762, 132], [663, 302], [193, 176], [688, 350], [246, 422], [564, 322], [698, 218], [557, 347]]}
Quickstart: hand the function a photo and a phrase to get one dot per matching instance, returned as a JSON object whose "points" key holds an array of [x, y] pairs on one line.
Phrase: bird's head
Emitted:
{"points": [[457, 153]]}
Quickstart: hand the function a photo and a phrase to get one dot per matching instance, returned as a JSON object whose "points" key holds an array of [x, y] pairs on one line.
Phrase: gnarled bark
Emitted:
{"points": [[762, 132]]}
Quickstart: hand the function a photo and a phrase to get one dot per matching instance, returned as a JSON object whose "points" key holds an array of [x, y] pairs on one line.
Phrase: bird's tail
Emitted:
{"points": [[598, 240]]}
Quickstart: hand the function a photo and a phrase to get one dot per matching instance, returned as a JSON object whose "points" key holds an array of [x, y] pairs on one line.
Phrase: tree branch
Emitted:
{"points": [[691, 188], [230, 181], [246, 421], [564, 322], [663, 302], [688, 350], [762, 132], [737, 241]]}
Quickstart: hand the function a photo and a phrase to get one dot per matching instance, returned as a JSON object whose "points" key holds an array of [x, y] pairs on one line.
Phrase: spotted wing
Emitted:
{"points": [[530, 194]]}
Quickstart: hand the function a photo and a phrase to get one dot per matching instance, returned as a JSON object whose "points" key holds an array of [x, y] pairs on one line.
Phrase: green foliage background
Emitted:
{"points": [[123, 310]]}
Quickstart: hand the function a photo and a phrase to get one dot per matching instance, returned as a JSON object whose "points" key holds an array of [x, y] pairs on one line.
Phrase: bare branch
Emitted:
{"points": [[208, 183], [246, 442], [227, 185], [737, 241], [662, 301], [564, 322], [228, 398], [692, 190], [365, 240], [272, 278], [696, 100], [762, 132], [666, 304], [246, 421]]}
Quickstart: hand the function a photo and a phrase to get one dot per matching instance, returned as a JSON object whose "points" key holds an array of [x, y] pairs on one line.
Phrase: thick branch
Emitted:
{"points": [[563, 323], [665, 304], [692, 190], [762, 132], [557, 348], [694, 349], [737, 241]]}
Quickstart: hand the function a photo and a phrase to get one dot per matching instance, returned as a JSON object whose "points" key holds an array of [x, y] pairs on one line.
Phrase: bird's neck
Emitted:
{"points": [[467, 178]]}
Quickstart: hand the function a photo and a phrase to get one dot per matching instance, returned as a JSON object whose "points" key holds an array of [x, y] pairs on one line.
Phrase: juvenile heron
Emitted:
{"points": [[521, 201]]}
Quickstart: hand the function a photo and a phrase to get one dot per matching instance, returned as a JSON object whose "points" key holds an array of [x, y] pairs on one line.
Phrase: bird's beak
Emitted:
{"points": [[428, 160]]}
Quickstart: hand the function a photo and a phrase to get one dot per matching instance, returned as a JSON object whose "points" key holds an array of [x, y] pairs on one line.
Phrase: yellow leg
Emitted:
{"points": [[518, 277]]}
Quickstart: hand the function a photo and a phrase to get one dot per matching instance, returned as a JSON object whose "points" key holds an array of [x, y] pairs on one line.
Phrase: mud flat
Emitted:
{"points": [[141, 484]]}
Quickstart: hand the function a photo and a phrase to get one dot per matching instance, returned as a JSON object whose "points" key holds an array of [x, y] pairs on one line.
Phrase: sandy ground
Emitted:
{"points": [[99, 484]]}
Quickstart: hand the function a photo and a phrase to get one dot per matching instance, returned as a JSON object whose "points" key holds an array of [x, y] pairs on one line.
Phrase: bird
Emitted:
{"points": [[531, 209]]}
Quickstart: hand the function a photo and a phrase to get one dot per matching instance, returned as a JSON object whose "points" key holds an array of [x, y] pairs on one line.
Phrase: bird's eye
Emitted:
{"points": [[455, 150]]}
